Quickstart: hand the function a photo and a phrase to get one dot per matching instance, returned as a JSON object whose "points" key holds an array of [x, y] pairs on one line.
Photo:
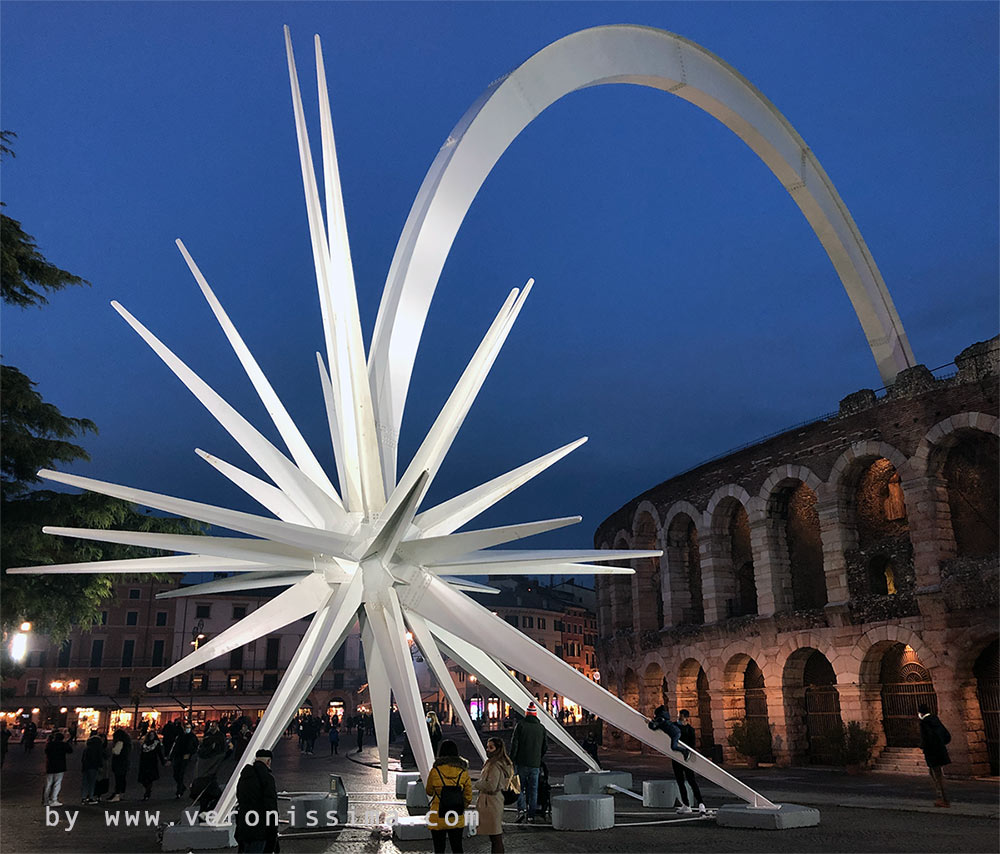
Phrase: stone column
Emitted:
{"points": [[774, 582], [837, 538], [929, 518], [717, 579]]}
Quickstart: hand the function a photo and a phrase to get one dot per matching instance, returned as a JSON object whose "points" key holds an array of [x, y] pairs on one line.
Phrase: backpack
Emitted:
{"points": [[451, 799]]}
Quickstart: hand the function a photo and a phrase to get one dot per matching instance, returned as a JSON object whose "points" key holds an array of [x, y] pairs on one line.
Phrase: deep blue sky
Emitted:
{"points": [[682, 306]]}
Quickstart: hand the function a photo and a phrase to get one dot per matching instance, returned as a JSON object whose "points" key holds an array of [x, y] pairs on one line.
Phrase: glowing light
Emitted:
{"points": [[25, 626], [19, 646]]}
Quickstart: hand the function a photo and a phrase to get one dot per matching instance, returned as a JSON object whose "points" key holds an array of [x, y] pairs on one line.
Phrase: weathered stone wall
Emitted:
{"points": [[879, 505]]}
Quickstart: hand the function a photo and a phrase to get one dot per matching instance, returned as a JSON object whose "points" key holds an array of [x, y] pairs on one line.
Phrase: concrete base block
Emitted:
{"points": [[403, 778], [305, 810], [410, 827], [416, 798], [201, 837], [583, 812], [593, 782], [660, 793], [784, 817]]}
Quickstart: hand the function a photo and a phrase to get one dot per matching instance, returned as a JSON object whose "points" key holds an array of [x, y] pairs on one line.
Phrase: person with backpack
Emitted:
{"points": [[934, 738], [494, 781], [449, 788]]}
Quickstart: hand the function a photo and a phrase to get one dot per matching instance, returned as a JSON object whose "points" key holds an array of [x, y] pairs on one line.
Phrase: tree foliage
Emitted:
{"points": [[35, 433], [25, 274]]}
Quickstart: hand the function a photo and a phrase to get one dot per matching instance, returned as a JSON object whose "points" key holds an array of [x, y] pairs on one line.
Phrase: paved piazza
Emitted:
{"points": [[872, 813]]}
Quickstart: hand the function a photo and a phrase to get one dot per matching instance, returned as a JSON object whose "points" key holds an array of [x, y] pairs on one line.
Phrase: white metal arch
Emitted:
{"points": [[612, 54]]}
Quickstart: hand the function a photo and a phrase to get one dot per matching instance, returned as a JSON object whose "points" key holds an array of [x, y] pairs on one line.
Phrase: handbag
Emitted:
{"points": [[513, 790]]}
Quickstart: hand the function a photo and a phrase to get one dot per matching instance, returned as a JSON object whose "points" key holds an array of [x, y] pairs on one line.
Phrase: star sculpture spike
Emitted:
{"points": [[364, 555]]}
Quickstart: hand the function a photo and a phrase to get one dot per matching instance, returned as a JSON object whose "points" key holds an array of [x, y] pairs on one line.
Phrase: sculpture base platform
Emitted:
{"points": [[786, 816], [660, 793], [403, 778], [594, 782], [416, 798], [407, 828], [201, 837], [583, 812]]}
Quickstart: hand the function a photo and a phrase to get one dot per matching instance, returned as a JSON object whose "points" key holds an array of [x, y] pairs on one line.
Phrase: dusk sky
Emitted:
{"points": [[682, 304]]}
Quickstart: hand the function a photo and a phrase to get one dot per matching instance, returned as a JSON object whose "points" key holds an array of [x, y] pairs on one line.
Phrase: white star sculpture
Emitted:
{"points": [[364, 553]]}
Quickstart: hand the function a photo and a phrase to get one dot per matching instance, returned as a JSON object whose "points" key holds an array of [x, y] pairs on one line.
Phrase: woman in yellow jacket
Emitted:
{"points": [[450, 771]]}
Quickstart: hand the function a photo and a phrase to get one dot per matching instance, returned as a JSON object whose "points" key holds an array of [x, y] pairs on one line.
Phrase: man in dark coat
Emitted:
{"points": [[527, 747], [55, 767], [934, 738], [181, 756], [682, 773], [257, 806]]}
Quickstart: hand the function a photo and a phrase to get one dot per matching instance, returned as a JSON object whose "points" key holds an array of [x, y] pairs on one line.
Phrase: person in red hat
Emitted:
{"points": [[527, 748]]}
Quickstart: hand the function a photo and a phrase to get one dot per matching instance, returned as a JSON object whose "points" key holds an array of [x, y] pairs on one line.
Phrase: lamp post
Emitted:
{"points": [[197, 636], [19, 642]]}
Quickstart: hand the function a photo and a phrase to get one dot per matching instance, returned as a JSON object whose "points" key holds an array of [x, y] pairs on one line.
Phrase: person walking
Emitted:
{"points": [[121, 750], [28, 735], [184, 748], [55, 767], [150, 759], [171, 729], [211, 754], [361, 734], [527, 747], [493, 781], [92, 762], [334, 738], [434, 731], [449, 788], [934, 738], [257, 806], [683, 774]]}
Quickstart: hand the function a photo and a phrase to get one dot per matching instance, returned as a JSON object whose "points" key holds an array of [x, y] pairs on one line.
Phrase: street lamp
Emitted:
{"points": [[19, 642], [197, 636]]}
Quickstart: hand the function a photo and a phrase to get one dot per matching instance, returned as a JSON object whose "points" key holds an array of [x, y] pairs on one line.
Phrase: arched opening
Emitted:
{"points": [[631, 689], [822, 702], [737, 583], [684, 568], [905, 685], [987, 673], [693, 694], [881, 565], [647, 576], [881, 576], [970, 472], [798, 545]]}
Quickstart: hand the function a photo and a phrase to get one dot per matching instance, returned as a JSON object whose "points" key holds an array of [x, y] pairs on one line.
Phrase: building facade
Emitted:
{"points": [[843, 570]]}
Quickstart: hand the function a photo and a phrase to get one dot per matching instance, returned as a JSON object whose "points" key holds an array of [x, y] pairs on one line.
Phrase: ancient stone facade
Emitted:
{"points": [[843, 570]]}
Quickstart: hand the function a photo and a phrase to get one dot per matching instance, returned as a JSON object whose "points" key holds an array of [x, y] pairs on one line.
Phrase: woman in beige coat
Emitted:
{"points": [[492, 783]]}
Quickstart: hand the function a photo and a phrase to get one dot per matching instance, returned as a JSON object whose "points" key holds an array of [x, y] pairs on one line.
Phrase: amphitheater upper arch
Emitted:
{"points": [[860, 452], [790, 472], [601, 55], [729, 490], [942, 434], [640, 524], [687, 508]]}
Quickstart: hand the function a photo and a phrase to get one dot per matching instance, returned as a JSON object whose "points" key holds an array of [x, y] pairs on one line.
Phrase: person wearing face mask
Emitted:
{"points": [[150, 759], [181, 754], [495, 779]]}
